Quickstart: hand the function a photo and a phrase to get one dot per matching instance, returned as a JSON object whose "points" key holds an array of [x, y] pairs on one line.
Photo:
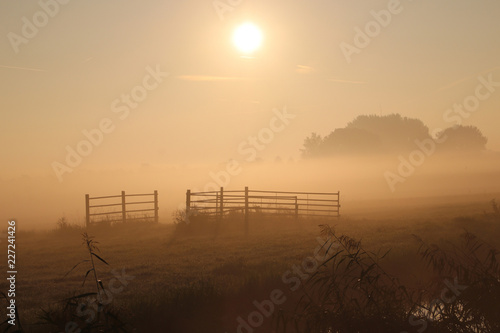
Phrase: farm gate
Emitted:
{"points": [[217, 204], [97, 213]]}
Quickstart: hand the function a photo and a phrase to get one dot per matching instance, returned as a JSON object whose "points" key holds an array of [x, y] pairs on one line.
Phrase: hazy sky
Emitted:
{"points": [[70, 73]]}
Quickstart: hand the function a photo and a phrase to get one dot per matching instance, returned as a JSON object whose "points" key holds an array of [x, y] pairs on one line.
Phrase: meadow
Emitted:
{"points": [[210, 277]]}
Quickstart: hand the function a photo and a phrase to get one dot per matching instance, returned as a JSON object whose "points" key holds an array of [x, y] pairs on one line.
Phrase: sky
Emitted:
{"points": [[66, 65]]}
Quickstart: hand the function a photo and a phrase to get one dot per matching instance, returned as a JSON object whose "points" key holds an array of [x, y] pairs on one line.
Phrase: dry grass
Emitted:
{"points": [[203, 280]]}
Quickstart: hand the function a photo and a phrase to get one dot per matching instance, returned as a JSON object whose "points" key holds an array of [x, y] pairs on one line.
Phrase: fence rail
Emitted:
{"points": [[122, 215], [217, 204]]}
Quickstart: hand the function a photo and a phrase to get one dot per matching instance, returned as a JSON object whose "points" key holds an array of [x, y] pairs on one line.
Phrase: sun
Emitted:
{"points": [[247, 38]]}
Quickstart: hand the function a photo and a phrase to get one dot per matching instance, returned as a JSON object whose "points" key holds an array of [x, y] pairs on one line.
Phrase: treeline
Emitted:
{"points": [[373, 134]]}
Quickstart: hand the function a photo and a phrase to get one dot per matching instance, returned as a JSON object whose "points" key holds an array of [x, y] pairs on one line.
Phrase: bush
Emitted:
{"points": [[351, 292]]}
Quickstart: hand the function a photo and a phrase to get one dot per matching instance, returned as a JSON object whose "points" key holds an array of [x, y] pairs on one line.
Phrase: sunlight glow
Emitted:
{"points": [[247, 38]]}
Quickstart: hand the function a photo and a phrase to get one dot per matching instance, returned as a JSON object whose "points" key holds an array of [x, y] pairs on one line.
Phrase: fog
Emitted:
{"points": [[367, 184], [173, 99]]}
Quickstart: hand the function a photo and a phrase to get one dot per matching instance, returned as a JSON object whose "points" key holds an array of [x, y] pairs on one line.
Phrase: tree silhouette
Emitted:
{"points": [[351, 141], [368, 134], [312, 146], [396, 133], [462, 138]]}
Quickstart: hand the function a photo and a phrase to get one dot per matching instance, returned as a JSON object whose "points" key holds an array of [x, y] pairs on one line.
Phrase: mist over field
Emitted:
{"points": [[253, 166], [40, 202]]}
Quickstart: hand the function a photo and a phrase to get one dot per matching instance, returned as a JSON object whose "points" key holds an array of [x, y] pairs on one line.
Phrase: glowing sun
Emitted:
{"points": [[247, 38]]}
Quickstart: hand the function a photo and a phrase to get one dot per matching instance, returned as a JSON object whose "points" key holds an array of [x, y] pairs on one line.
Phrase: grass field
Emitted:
{"points": [[162, 278]]}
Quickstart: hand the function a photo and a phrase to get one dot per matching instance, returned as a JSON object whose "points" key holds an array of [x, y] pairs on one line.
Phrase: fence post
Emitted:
{"points": [[296, 209], [246, 210], [156, 206], [188, 205], [87, 210], [217, 205], [124, 211], [338, 204], [221, 203]]}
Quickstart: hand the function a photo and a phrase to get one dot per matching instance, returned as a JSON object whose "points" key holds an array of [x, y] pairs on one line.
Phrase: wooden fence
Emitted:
{"points": [[122, 215], [217, 204]]}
